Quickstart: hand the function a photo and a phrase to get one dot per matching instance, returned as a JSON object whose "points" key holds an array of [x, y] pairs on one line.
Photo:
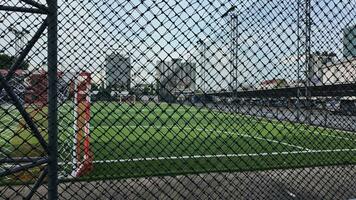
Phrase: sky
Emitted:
{"points": [[148, 31]]}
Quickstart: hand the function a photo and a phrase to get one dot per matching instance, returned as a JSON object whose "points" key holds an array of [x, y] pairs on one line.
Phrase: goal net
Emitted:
{"points": [[75, 155], [31, 89]]}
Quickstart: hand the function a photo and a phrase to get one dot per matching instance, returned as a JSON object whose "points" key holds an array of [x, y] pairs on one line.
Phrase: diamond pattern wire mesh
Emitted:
{"points": [[180, 100]]}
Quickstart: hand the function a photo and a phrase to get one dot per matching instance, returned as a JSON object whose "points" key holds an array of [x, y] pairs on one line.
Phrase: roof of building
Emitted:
{"points": [[343, 61], [265, 82]]}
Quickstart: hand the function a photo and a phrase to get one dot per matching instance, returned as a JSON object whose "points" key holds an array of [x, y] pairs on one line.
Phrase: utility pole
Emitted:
{"points": [[308, 64], [298, 62], [233, 21], [203, 69]]}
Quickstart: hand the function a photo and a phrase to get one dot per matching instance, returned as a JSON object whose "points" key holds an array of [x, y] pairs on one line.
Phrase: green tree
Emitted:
{"points": [[95, 86], [6, 61]]}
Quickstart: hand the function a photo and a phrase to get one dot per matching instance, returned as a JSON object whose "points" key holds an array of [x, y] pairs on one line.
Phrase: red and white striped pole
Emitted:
{"points": [[82, 155]]}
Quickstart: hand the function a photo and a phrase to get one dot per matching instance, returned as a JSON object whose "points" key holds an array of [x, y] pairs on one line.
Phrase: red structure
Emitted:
{"points": [[83, 160], [37, 88], [36, 91], [18, 72]]}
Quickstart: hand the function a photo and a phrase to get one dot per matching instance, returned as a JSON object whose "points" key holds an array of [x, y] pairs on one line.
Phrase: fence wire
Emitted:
{"points": [[177, 99]]}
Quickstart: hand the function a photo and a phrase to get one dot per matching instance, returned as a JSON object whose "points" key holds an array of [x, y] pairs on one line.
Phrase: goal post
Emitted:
{"points": [[75, 153], [82, 157], [73, 95]]}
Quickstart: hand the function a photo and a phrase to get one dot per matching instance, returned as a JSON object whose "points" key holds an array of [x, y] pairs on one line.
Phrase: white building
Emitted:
{"points": [[340, 72], [349, 42], [175, 77], [213, 60], [316, 70], [118, 71]]}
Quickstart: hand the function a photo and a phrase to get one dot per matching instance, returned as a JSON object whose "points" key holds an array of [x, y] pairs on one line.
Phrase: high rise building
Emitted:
{"points": [[175, 78], [118, 72], [340, 72], [315, 72], [349, 42]]}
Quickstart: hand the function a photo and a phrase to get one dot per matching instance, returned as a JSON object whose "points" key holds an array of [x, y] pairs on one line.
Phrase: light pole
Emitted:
{"points": [[234, 43], [307, 21], [203, 64], [233, 21], [19, 35], [298, 62]]}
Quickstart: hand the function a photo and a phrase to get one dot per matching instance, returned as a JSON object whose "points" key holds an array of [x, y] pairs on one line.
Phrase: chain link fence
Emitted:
{"points": [[177, 99]]}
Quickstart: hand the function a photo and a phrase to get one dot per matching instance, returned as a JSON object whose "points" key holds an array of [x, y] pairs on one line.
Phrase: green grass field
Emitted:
{"points": [[163, 139], [150, 140]]}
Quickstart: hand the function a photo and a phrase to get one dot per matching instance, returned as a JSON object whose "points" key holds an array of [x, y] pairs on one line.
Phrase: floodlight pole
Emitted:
{"points": [[298, 61], [234, 43], [234, 48], [308, 63], [203, 65]]}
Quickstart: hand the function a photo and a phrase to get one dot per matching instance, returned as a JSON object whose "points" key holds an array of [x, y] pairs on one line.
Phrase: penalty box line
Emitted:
{"points": [[270, 121], [264, 154], [218, 131], [267, 120], [310, 131]]}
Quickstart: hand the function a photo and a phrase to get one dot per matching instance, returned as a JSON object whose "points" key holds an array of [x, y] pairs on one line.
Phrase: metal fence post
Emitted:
{"points": [[52, 98], [253, 99]]}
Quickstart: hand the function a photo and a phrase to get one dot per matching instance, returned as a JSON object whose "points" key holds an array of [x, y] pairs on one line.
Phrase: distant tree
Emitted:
{"points": [[95, 86], [146, 90], [325, 53], [152, 89], [6, 61]]}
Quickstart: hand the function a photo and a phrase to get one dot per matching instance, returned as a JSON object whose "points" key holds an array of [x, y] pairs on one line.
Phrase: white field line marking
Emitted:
{"points": [[270, 140], [139, 116], [227, 132], [290, 126], [280, 125], [6, 127], [269, 120], [156, 109], [329, 135], [7, 120], [6, 133], [219, 156], [5, 149], [303, 129], [266, 120]]}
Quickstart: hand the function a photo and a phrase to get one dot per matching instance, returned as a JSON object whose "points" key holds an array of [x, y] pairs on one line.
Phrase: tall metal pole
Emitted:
{"points": [[307, 57], [234, 32], [203, 65], [234, 49], [234, 21], [298, 61], [52, 101], [204, 68], [231, 50]]}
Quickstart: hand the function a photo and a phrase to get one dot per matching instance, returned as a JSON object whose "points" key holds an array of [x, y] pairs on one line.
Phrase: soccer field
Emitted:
{"points": [[139, 140], [160, 139]]}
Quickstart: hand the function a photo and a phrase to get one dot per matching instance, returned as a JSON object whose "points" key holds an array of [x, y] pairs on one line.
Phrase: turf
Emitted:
{"points": [[173, 139], [160, 139]]}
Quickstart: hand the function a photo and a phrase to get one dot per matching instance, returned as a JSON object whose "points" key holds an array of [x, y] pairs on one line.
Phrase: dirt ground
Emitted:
{"points": [[307, 183]]}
